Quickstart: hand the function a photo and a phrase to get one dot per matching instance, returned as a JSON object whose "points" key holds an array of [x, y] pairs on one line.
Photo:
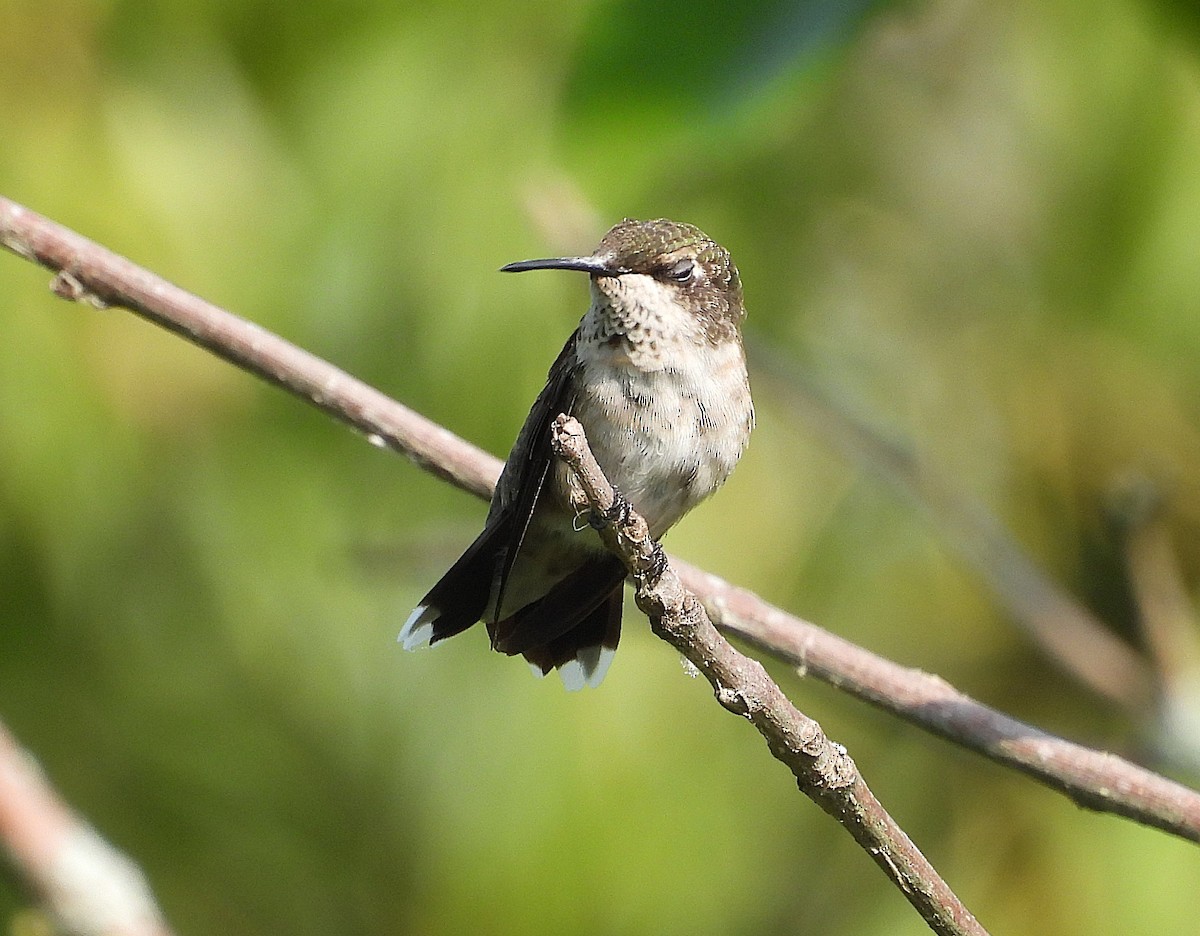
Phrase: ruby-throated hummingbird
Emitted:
{"points": [[656, 374]]}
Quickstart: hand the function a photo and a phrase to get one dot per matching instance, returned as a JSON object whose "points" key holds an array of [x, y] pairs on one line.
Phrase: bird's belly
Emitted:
{"points": [[666, 438]]}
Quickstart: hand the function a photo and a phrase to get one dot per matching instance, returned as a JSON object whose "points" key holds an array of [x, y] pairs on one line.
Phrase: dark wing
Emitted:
{"points": [[576, 625], [461, 597], [524, 476]]}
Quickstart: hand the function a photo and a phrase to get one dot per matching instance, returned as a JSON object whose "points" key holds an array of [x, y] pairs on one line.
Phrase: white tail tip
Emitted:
{"points": [[417, 631], [589, 668]]}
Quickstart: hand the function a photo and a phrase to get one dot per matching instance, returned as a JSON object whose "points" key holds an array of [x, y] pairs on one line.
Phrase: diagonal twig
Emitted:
{"points": [[823, 770]]}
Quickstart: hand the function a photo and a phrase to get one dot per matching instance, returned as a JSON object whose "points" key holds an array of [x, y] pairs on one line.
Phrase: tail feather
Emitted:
{"points": [[562, 609], [583, 654], [574, 628], [460, 597]]}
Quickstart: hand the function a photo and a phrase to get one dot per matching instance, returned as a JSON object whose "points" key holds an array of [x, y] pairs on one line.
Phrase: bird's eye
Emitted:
{"points": [[681, 270]]}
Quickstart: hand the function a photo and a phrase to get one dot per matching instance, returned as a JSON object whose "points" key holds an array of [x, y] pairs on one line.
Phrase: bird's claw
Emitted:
{"points": [[616, 514], [658, 563]]}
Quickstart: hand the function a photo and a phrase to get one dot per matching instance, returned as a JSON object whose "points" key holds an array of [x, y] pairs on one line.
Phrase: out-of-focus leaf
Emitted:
{"points": [[682, 63]]}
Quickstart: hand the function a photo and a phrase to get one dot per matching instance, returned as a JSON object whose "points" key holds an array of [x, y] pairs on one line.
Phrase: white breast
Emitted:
{"points": [[667, 413]]}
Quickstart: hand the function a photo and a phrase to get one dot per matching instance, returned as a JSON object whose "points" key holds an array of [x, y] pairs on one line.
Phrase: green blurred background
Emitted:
{"points": [[976, 225]]}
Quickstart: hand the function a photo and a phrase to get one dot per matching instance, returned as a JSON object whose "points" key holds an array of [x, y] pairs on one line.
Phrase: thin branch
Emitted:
{"points": [[86, 272], [1101, 781], [1093, 779], [87, 886], [823, 770]]}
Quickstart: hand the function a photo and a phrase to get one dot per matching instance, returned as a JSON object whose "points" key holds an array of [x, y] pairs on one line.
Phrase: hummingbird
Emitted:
{"points": [[656, 374]]}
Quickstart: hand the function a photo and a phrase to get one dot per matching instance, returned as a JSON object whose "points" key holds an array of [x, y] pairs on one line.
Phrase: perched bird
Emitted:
{"points": [[656, 374]]}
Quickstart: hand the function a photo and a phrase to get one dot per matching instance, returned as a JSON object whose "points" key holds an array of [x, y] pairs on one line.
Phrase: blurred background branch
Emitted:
{"points": [[85, 885], [1062, 627], [1167, 617]]}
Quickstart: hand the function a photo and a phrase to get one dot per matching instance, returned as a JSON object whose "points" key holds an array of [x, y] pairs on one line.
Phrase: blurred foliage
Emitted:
{"points": [[976, 224]]}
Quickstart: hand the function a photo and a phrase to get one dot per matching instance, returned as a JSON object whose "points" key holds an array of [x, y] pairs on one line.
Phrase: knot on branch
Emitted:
{"points": [[66, 285]]}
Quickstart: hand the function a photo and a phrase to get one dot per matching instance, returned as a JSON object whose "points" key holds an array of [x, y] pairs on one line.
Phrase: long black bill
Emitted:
{"points": [[591, 265]]}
